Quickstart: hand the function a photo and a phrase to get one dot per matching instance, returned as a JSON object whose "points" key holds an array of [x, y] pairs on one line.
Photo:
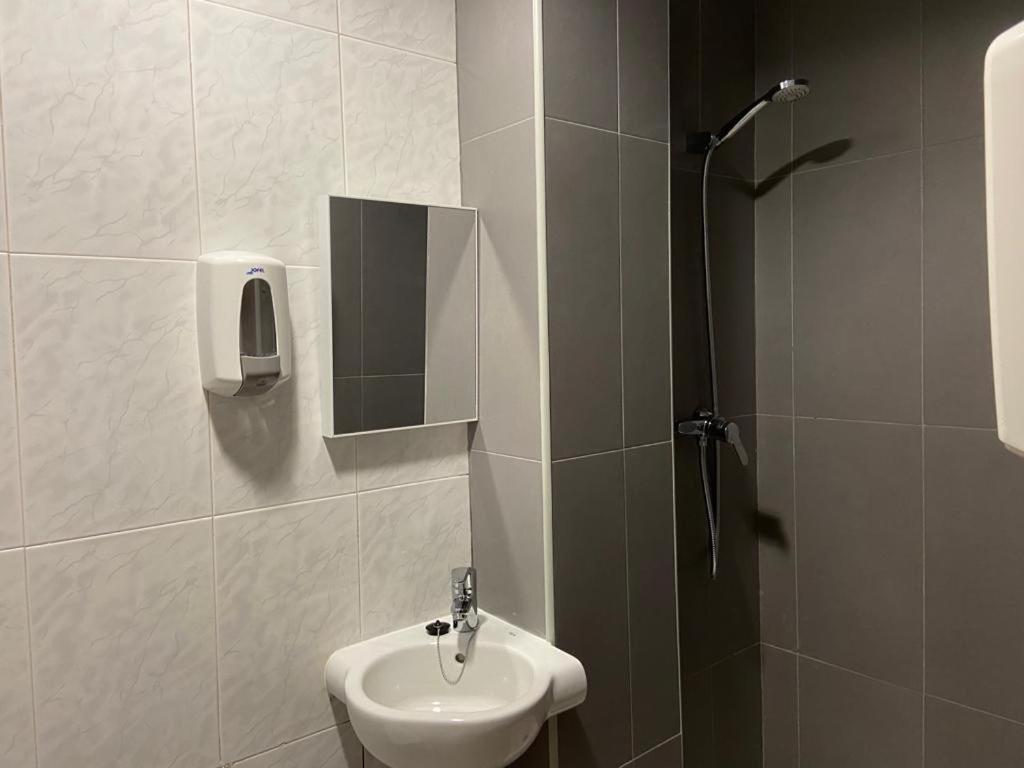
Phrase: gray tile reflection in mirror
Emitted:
{"points": [[400, 308]]}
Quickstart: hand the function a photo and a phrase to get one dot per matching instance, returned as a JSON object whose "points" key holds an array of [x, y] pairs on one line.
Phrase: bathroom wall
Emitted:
{"points": [[712, 65], [892, 617], [605, 90], [496, 40], [175, 570]]}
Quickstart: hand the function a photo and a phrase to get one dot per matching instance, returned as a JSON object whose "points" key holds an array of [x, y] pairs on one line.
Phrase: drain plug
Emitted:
{"points": [[460, 657]]}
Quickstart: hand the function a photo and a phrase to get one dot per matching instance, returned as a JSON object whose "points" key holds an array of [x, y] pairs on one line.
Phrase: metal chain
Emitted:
{"points": [[441, 665]]}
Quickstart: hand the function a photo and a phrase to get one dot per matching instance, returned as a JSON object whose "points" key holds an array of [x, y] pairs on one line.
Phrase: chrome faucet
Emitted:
{"points": [[464, 615]]}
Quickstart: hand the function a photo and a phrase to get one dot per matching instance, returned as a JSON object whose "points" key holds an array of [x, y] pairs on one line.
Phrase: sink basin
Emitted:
{"points": [[407, 716]]}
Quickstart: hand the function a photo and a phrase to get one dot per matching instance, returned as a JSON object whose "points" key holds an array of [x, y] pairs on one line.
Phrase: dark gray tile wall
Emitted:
{"points": [[852, 721], [712, 78], [780, 707], [871, 289], [653, 652], [606, 188], [591, 606], [646, 353], [956, 736], [581, 79], [584, 319]]}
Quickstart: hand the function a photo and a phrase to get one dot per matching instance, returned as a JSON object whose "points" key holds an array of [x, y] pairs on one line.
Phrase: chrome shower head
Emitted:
{"points": [[781, 93], [789, 90]]}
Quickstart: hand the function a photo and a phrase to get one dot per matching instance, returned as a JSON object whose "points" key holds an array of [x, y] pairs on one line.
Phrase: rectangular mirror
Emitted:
{"points": [[400, 312]]}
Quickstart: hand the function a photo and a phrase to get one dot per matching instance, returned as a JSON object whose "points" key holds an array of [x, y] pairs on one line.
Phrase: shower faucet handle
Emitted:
{"points": [[732, 437], [705, 425]]}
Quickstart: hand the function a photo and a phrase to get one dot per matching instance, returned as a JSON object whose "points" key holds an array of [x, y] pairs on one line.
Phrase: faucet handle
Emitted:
{"points": [[732, 437], [463, 578]]}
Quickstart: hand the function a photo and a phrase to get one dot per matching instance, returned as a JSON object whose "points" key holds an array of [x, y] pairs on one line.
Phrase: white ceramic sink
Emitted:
{"points": [[405, 713]]}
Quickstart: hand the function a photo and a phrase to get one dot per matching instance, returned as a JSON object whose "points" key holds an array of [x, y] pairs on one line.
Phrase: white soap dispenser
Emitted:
{"points": [[245, 339]]}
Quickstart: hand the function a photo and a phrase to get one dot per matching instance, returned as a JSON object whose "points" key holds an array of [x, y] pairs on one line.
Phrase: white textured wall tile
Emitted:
{"points": [[408, 456], [287, 597], [425, 26], [10, 484], [100, 151], [123, 649], [401, 125], [113, 422], [17, 743], [409, 540], [336, 748], [269, 450], [268, 124], [315, 13]]}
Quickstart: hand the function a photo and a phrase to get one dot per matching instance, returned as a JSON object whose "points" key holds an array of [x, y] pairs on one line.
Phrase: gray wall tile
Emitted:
{"points": [[857, 290], [974, 535], [731, 235], [866, 83], [727, 79], [852, 721], [499, 179], [774, 52], [667, 755], [956, 36], [717, 617], [698, 721], [494, 64], [538, 754], [773, 281], [958, 387], [392, 401], [737, 705], [394, 288], [858, 501], [591, 614], [780, 703], [733, 596], [643, 68], [580, 61], [684, 83], [697, 645], [646, 375], [956, 737], [653, 652], [583, 289], [690, 377], [506, 497], [776, 527]]}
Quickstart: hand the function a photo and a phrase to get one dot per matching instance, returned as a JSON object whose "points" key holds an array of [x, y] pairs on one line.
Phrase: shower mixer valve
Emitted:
{"points": [[706, 426]]}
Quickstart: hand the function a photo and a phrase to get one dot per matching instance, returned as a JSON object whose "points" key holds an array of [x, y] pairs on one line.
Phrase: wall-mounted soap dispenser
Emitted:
{"points": [[245, 344]]}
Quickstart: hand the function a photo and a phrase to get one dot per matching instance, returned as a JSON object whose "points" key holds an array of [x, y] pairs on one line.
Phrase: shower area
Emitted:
{"points": [[851, 596], [844, 585]]}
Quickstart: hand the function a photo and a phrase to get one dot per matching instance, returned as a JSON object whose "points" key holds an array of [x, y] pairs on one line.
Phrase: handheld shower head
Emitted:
{"points": [[781, 93]]}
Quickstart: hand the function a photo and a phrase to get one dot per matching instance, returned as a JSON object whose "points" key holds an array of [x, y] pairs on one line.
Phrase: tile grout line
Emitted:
{"points": [[493, 131], [616, 133], [605, 453]]}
